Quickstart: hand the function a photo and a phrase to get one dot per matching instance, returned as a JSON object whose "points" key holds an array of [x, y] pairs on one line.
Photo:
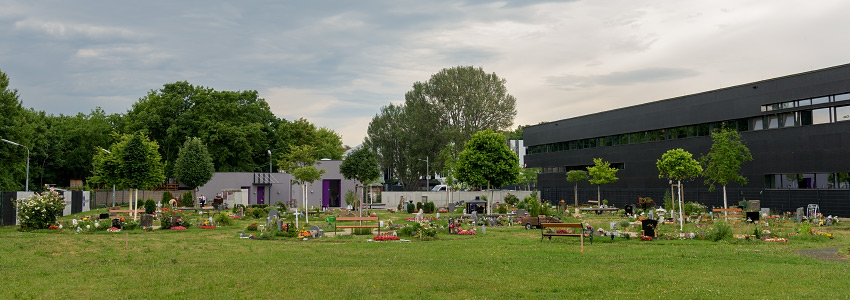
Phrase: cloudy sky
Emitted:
{"points": [[336, 63]]}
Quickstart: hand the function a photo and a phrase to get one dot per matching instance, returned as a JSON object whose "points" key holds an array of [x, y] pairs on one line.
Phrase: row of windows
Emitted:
{"points": [[641, 137], [807, 181], [565, 169], [804, 117], [805, 102]]}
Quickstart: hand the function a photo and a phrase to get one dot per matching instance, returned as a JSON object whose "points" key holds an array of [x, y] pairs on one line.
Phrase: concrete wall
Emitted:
{"points": [[444, 198]]}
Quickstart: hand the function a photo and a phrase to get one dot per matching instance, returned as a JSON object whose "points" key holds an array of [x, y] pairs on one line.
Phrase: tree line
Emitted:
{"points": [[237, 127]]}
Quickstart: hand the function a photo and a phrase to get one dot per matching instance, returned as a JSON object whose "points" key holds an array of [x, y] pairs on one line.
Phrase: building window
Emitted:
{"points": [[789, 120], [804, 102], [842, 97], [842, 113], [786, 105], [820, 116], [758, 123], [772, 122], [820, 100]]}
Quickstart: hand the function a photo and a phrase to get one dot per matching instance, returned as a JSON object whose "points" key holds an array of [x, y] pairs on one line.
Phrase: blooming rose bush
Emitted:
{"points": [[39, 211]]}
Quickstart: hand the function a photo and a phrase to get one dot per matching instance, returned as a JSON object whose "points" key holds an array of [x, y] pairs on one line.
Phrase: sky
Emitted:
{"points": [[336, 63]]}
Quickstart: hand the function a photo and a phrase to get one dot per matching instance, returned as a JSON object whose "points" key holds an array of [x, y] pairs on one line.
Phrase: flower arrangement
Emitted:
{"points": [[178, 228], [113, 229], [385, 238], [53, 227], [304, 234], [775, 239], [562, 231], [645, 202], [646, 238], [39, 211], [467, 232], [207, 227]]}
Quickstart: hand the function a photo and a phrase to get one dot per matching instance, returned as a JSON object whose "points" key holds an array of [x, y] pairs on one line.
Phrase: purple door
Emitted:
{"points": [[326, 193], [261, 195]]}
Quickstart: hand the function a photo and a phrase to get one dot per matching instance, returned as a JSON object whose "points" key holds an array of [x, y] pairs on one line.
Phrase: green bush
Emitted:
{"points": [[511, 199], [223, 219], [428, 207], [693, 207], [166, 196], [256, 212], [720, 231], [164, 222], [39, 211], [521, 205], [130, 225], [418, 206], [361, 231], [186, 200], [410, 229], [503, 209], [150, 206], [252, 227], [410, 208]]}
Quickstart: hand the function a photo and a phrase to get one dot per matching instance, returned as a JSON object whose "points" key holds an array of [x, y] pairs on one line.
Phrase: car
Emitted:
{"points": [[534, 222], [440, 188]]}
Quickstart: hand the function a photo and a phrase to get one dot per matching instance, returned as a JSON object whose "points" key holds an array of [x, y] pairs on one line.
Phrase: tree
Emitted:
{"points": [[723, 162], [527, 176], [678, 164], [13, 157], [300, 163], [601, 173], [487, 160], [133, 163], [361, 164], [194, 166], [575, 176], [390, 138]]}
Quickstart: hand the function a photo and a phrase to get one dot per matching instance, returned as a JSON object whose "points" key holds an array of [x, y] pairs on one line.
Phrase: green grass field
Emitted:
{"points": [[506, 263]]}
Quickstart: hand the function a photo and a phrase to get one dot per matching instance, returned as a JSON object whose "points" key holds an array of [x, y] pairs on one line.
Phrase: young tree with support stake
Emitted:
{"points": [[361, 164], [133, 163], [723, 162], [601, 173], [194, 166], [299, 162], [678, 164], [575, 176], [487, 160]]}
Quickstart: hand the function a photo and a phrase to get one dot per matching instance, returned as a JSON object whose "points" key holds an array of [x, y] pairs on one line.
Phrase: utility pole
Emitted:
{"points": [[28, 161]]}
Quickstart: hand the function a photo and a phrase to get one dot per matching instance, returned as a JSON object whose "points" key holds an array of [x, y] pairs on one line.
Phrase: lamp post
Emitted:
{"points": [[28, 161], [270, 160], [113, 186], [427, 173]]}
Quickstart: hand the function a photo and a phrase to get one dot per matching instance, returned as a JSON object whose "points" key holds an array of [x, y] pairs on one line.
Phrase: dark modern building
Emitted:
{"points": [[794, 127]]}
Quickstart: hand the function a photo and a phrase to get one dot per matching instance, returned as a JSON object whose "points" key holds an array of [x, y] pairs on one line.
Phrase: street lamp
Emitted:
{"points": [[427, 173], [113, 186], [270, 160], [28, 161]]}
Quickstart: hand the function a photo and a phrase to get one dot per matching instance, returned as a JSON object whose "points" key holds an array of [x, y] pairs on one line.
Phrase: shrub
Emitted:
{"points": [[130, 225], [693, 207], [418, 206], [256, 212], [361, 231], [164, 222], [409, 230], [166, 196], [521, 205], [186, 200], [252, 227], [410, 208], [223, 219], [428, 207], [150, 206], [533, 209], [624, 224], [720, 231], [503, 209], [39, 211], [511, 199]]}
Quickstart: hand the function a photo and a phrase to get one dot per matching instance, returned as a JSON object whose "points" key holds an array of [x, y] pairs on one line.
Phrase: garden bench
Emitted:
{"points": [[731, 213], [356, 219], [580, 234]]}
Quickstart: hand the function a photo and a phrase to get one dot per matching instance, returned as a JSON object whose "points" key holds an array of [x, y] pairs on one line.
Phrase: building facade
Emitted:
{"points": [[794, 127]]}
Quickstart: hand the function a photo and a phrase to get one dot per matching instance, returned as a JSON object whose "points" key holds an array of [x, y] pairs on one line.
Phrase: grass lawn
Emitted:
{"points": [[506, 263]]}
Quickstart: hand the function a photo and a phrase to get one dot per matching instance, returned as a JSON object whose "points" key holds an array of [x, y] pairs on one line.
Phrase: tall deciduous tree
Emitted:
{"points": [[361, 164], [678, 164], [601, 173], [575, 176], [487, 161], [723, 162], [390, 138], [194, 166], [527, 176], [12, 178]]}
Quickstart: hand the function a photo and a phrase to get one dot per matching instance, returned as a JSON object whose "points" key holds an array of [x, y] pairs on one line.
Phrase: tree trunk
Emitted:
{"points": [[598, 195], [681, 203], [306, 217], [575, 192]]}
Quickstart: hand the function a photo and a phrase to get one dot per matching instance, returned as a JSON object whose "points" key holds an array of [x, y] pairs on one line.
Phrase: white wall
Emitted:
{"points": [[443, 198]]}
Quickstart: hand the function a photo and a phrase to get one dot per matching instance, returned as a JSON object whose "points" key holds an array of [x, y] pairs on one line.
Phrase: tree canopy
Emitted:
{"points": [[678, 164], [361, 164], [601, 173], [575, 176], [723, 162], [133, 162], [13, 157], [487, 161], [194, 166]]}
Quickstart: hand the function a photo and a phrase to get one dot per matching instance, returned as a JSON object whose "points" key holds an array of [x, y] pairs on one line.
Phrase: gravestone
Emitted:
{"points": [[451, 207], [146, 221], [800, 212], [175, 221], [765, 211], [315, 231], [752, 216], [648, 227], [630, 210], [754, 205], [521, 212], [116, 223], [104, 216], [273, 213]]}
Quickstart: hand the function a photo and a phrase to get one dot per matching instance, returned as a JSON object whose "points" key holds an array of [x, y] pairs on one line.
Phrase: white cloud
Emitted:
{"points": [[74, 30], [293, 103]]}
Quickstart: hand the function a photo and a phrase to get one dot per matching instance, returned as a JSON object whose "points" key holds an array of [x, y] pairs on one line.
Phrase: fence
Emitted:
{"points": [[392, 199], [104, 198], [831, 202]]}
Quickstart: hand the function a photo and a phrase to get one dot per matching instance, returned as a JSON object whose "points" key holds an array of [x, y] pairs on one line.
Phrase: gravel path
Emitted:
{"points": [[824, 254]]}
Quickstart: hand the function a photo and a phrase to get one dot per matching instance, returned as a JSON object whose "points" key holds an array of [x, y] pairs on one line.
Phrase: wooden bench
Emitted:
{"points": [[730, 213], [356, 219]]}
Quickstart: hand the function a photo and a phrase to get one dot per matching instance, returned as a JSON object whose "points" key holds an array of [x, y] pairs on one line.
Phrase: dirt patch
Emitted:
{"points": [[824, 254]]}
